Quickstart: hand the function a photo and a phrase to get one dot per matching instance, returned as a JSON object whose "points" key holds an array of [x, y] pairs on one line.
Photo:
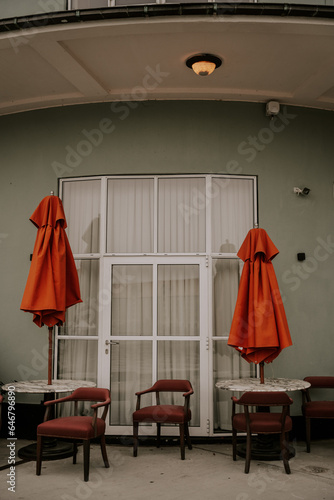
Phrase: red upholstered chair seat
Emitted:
{"points": [[164, 414], [316, 409], [76, 427], [71, 427], [161, 413], [262, 422]]}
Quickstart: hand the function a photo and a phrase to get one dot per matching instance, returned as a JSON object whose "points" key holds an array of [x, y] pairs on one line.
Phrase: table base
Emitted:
{"points": [[52, 450], [265, 447]]}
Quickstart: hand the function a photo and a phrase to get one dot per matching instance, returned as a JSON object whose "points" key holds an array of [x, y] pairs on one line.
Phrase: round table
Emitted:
{"points": [[53, 449], [264, 447], [270, 384]]}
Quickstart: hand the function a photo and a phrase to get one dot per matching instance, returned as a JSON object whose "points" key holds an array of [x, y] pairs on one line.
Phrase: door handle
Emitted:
{"points": [[111, 342]]}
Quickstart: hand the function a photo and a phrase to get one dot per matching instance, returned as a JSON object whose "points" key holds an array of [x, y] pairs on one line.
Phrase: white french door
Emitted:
{"points": [[159, 273], [155, 326]]}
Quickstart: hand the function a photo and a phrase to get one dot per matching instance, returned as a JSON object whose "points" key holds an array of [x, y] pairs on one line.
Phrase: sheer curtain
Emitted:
{"points": [[130, 214], [155, 306], [77, 357], [232, 217]]}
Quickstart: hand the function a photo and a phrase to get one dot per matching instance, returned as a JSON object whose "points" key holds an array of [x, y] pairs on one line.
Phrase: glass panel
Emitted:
{"points": [[232, 213], [181, 360], [178, 300], [82, 319], [81, 200], [131, 303], [181, 215], [227, 364], [77, 360], [130, 371], [225, 292], [130, 215]]}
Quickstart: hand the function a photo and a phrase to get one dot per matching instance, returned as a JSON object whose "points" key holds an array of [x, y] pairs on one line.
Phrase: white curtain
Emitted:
{"points": [[77, 358], [181, 215], [130, 216]]}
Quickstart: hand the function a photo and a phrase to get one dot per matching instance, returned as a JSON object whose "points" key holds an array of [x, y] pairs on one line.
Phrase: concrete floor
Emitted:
{"points": [[207, 473]]}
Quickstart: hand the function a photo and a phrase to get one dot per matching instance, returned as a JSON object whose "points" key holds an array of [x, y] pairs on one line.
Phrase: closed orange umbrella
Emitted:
{"points": [[52, 285], [259, 329]]}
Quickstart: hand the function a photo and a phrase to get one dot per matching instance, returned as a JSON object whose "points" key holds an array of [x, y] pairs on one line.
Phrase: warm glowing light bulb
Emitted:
{"points": [[204, 68]]}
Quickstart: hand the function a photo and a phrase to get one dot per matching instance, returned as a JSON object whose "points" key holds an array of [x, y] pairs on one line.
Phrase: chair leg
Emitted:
{"points": [[104, 451], [234, 444], [285, 451], [158, 434], [182, 441], [248, 453], [39, 455], [75, 451], [86, 447], [308, 434], [135, 438], [186, 430]]}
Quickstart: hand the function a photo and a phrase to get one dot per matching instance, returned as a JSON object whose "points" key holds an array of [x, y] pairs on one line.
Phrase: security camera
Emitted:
{"points": [[305, 191], [272, 108]]}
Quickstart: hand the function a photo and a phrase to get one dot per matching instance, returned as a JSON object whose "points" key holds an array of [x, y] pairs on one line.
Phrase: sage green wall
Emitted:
{"points": [[297, 149]]}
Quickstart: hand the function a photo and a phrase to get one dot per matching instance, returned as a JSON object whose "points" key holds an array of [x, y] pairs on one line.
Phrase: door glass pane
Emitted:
{"points": [[130, 372], [232, 213], [225, 291], [131, 300], [181, 215], [130, 215], [227, 364], [82, 319], [178, 300], [81, 200], [181, 360]]}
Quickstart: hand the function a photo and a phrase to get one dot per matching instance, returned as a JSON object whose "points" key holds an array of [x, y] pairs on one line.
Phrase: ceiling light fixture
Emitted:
{"points": [[203, 64]]}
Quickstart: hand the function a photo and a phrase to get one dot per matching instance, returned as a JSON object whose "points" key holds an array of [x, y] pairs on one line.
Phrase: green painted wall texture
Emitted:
{"points": [[294, 149]]}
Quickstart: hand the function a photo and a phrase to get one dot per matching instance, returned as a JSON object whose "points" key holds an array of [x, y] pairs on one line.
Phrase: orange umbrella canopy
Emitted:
{"points": [[52, 283], [259, 329]]}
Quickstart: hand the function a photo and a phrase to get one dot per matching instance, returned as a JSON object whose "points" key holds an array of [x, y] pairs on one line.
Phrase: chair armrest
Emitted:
{"points": [[102, 403], [61, 400], [189, 393], [145, 392]]}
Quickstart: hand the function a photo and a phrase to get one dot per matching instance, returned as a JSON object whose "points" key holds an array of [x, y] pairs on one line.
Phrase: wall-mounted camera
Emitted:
{"points": [[305, 191]]}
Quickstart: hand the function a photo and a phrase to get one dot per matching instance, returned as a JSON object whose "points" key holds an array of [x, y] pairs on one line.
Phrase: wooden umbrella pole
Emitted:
{"points": [[50, 356], [262, 372]]}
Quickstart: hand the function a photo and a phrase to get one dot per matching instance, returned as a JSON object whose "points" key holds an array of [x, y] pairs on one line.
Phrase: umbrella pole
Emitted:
{"points": [[262, 372], [50, 356]]}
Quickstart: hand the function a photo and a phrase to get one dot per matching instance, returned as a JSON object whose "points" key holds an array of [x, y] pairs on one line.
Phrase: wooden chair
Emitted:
{"points": [[76, 428], [165, 413], [316, 409], [262, 422]]}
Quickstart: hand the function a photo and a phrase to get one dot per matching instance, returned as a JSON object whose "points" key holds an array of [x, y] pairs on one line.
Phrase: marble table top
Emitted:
{"points": [[270, 384], [42, 386]]}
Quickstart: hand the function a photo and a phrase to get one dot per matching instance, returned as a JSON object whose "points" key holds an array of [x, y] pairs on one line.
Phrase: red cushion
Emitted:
{"points": [[71, 427], [319, 409], [161, 414], [261, 422]]}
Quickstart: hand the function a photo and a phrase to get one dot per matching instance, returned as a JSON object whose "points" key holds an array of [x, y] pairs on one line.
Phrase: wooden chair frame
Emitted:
{"points": [[81, 394], [263, 400], [166, 386], [317, 382]]}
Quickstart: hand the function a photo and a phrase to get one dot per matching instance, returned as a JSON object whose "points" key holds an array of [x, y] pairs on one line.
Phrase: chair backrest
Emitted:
{"points": [[172, 385], [321, 382], [264, 398], [90, 394]]}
